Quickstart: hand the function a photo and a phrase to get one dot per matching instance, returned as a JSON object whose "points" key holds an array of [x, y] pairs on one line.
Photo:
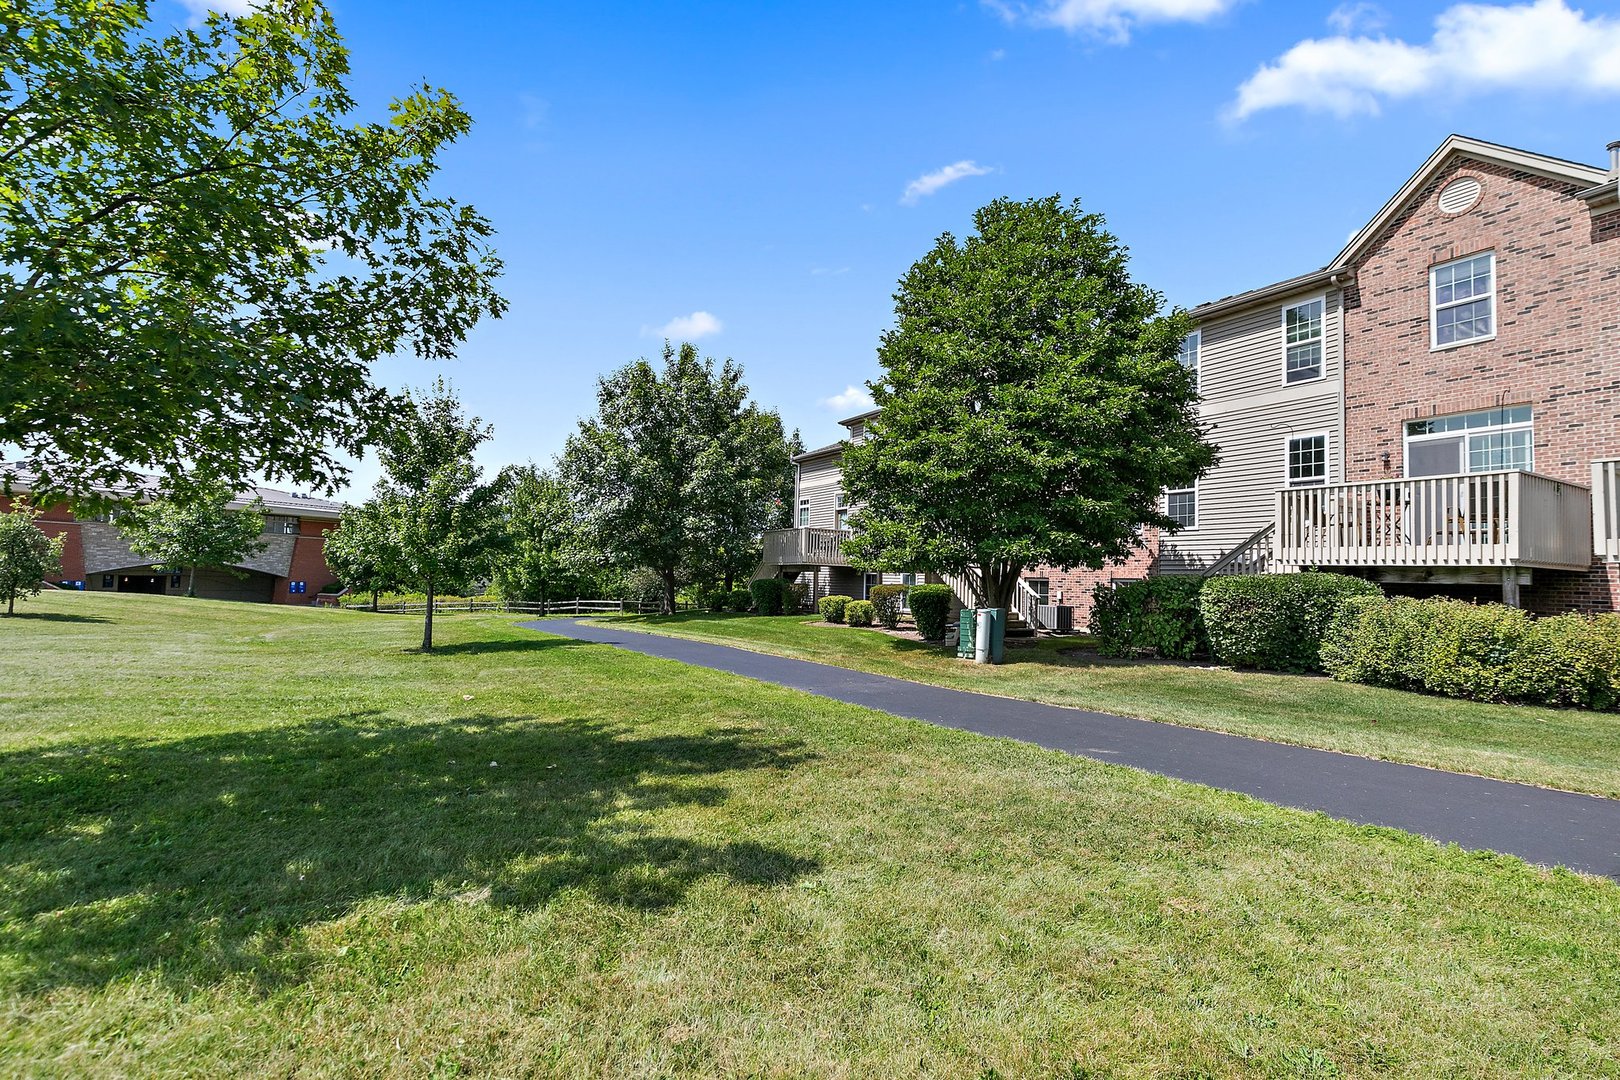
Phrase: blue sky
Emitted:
{"points": [[745, 166]]}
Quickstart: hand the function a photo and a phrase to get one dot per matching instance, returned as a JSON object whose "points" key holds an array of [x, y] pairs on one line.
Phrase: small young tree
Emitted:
{"points": [[188, 527], [1033, 407], [361, 551], [27, 556], [445, 524], [542, 535]]}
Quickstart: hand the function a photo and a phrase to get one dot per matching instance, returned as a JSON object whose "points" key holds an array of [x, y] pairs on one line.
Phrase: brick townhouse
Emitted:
{"points": [[291, 569], [1436, 409]]}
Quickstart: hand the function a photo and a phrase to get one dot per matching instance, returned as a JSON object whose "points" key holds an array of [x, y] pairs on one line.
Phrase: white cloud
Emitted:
{"points": [[200, 8], [1476, 48], [1358, 17], [929, 183], [1110, 19], [699, 324], [853, 399]]}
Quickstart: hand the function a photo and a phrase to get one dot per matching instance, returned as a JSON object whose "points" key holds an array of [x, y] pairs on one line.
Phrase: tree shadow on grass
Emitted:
{"points": [[203, 857], [52, 616], [473, 648]]}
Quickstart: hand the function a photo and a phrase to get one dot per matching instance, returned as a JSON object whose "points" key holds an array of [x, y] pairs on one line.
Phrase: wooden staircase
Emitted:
{"points": [[1020, 617]]}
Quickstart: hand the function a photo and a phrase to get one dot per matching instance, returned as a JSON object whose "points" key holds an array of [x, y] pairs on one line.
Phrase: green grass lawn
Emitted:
{"points": [[263, 841], [1564, 748]]}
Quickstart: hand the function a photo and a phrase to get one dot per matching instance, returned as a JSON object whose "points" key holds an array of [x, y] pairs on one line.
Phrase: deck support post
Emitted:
{"points": [[1510, 586]]}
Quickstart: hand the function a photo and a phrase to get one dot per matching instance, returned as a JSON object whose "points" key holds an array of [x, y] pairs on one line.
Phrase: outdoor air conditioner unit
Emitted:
{"points": [[1058, 618]]}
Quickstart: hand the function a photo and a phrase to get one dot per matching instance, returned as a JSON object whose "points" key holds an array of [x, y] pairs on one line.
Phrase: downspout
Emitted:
{"points": [[1341, 281]]}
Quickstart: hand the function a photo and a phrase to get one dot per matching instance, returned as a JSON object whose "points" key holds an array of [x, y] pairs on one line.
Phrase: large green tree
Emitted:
{"points": [[202, 253], [443, 519], [362, 551], [679, 471], [27, 556], [190, 526], [1033, 407], [545, 548]]}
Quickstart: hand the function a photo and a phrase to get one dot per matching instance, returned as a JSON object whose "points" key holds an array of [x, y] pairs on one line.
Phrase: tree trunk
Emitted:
{"points": [[11, 605], [191, 583], [730, 579], [374, 594], [998, 582], [427, 621], [669, 592], [545, 594]]}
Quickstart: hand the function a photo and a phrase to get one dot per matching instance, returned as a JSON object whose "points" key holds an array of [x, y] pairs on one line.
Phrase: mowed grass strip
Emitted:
{"points": [[1563, 748], [248, 840]]}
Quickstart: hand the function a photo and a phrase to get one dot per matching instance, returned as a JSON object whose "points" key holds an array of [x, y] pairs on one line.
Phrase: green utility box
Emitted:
{"points": [[967, 632], [964, 635]]}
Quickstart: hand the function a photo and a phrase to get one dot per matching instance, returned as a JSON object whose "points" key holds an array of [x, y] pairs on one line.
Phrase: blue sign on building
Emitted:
{"points": [[294, 587]]}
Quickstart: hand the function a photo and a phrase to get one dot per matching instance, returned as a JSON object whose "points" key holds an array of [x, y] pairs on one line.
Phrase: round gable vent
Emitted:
{"points": [[1459, 195]]}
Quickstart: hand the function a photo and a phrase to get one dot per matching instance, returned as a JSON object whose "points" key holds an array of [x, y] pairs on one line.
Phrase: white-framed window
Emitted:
{"points": [[1042, 588], [1307, 458], [1462, 301], [1188, 356], [804, 513], [1488, 440], [1303, 335], [1181, 506]]}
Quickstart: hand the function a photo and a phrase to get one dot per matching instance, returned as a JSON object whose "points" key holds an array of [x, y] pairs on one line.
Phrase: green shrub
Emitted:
{"points": [[1275, 621], [887, 601], [1379, 641], [1157, 615], [711, 598], [931, 608], [767, 595], [1483, 652], [794, 602], [741, 599], [832, 607], [860, 613], [1573, 660]]}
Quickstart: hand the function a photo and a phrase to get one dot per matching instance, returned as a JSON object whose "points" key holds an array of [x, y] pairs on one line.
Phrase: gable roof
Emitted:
{"points": [[1552, 168], [17, 479], [1592, 180]]}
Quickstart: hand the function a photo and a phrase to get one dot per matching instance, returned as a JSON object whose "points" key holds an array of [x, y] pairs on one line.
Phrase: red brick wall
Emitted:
{"points": [[308, 563], [1557, 344], [1078, 586], [58, 521]]}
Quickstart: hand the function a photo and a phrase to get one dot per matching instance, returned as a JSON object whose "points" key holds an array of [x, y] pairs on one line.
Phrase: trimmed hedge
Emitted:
{"points": [[931, 608], [1159, 615], [1483, 652], [1275, 621], [767, 594], [743, 599], [860, 613], [832, 607], [886, 600]]}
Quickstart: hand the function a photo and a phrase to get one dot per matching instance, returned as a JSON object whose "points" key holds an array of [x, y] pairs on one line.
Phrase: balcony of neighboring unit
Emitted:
{"points": [[805, 547], [1606, 509], [1485, 520]]}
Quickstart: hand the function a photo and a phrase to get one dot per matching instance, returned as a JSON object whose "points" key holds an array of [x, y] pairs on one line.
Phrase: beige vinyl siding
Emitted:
{"points": [[819, 481], [1242, 354], [1239, 495]]}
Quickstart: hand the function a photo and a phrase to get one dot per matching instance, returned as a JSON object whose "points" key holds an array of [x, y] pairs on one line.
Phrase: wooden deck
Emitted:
{"points": [[1485, 520]]}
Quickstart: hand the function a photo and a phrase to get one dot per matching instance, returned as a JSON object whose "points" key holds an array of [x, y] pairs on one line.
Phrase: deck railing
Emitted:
{"points": [[805, 547], [1606, 509], [1493, 519]]}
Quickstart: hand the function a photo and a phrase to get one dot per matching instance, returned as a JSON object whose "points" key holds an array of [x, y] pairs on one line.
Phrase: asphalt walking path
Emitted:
{"points": [[1552, 828]]}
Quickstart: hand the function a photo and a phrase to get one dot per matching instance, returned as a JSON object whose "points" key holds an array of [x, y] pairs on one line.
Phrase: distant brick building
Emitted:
{"points": [[291, 569]]}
